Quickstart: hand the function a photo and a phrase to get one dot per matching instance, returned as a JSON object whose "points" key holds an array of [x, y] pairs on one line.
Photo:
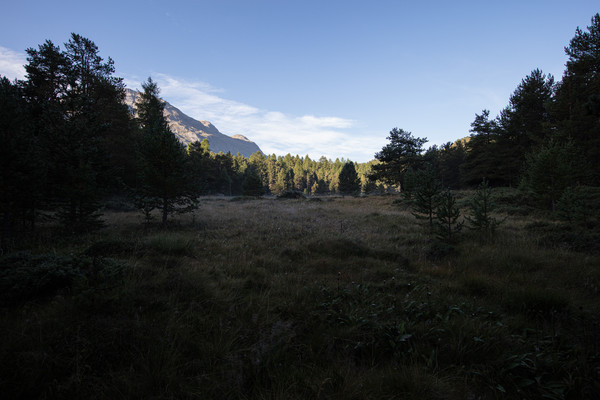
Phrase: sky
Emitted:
{"points": [[315, 77]]}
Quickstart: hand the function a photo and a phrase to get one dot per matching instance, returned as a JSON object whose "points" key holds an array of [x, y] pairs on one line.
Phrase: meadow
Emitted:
{"points": [[319, 298]]}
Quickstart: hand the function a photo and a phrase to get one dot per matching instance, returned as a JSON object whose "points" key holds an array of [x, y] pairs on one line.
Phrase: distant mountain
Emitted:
{"points": [[187, 130]]}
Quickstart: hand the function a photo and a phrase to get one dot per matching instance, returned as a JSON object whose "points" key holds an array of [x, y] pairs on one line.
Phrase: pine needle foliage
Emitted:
{"points": [[162, 159], [426, 196], [481, 206], [447, 214]]}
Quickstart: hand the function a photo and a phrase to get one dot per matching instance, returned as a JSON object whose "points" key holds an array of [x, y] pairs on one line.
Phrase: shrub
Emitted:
{"points": [[482, 205], [447, 215], [579, 205], [25, 276], [291, 195]]}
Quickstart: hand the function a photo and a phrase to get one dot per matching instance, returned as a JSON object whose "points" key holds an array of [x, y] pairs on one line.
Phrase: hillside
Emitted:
{"points": [[187, 130]]}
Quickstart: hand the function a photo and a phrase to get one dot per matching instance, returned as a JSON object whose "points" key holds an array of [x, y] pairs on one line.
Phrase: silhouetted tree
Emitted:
{"points": [[426, 195], [21, 161], [523, 125], [480, 157], [162, 180], [348, 179], [253, 185], [447, 214], [481, 207], [576, 105], [395, 158], [549, 171], [75, 103]]}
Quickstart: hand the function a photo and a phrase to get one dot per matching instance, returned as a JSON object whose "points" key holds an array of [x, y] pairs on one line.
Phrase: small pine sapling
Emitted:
{"points": [[447, 214], [572, 207], [481, 206], [426, 196]]}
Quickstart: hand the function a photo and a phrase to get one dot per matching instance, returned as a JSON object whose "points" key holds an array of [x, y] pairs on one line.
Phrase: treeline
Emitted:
{"points": [[280, 174], [546, 140], [69, 142], [67, 137]]}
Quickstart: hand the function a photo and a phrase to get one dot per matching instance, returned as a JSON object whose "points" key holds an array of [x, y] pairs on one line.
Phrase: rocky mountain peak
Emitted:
{"points": [[188, 129]]}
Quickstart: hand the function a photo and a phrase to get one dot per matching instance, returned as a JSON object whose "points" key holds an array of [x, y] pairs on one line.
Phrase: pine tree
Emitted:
{"points": [[75, 103], [403, 152], [162, 179], [199, 167], [549, 171], [451, 156], [253, 185], [481, 207], [447, 214], [21, 162], [522, 126], [426, 196], [348, 179], [480, 155], [574, 207], [299, 176], [576, 104]]}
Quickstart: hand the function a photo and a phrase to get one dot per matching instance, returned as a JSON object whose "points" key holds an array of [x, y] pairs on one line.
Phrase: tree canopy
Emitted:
{"points": [[401, 153]]}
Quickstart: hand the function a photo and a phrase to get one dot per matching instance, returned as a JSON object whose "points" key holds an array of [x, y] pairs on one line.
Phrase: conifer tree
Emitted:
{"points": [[403, 152], [576, 104], [480, 155], [162, 180], [21, 162], [574, 206], [348, 179], [481, 207], [75, 103], [253, 185], [426, 196], [447, 214], [549, 171], [522, 126]]}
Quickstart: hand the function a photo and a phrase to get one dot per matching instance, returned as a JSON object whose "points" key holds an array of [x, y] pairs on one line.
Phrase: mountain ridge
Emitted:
{"points": [[188, 130]]}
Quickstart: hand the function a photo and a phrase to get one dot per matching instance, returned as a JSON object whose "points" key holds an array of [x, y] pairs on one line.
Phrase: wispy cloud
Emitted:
{"points": [[11, 63], [274, 131]]}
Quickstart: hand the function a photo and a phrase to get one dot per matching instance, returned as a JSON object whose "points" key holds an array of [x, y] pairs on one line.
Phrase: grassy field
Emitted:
{"points": [[332, 298]]}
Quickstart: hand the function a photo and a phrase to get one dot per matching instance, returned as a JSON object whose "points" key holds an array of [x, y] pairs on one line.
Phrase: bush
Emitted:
{"points": [[291, 195], [25, 276], [579, 205], [437, 250]]}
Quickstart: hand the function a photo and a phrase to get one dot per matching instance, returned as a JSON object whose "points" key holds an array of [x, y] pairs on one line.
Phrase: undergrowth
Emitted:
{"points": [[346, 299]]}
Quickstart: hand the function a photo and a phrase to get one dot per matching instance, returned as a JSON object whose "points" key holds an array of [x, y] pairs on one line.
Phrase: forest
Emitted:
{"points": [[133, 266], [70, 144]]}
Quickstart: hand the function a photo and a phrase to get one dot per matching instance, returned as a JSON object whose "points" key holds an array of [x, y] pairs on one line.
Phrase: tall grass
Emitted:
{"points": [[287, 299]]}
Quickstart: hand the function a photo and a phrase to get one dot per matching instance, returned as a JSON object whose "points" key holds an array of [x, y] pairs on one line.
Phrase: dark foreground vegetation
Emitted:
{"points": [[346, 298], [486, 291]]}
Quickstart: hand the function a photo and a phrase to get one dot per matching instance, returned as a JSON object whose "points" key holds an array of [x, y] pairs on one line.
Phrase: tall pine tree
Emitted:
{"points": [[348, 179], [162, 182]]}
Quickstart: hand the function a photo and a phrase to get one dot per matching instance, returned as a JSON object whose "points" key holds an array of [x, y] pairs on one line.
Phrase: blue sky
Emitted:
{"points": [[315, 77]]}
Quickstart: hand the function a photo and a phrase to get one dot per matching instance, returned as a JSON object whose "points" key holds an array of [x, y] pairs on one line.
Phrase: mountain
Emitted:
{"points": [[187, 130]]}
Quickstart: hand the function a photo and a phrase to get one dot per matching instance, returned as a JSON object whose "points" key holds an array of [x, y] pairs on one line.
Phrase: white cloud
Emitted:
{"points": [[12, 64], [274, 131]]}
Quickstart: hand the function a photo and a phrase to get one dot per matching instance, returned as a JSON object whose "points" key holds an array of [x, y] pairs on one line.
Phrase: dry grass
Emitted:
{"points": [[329, 298]]}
